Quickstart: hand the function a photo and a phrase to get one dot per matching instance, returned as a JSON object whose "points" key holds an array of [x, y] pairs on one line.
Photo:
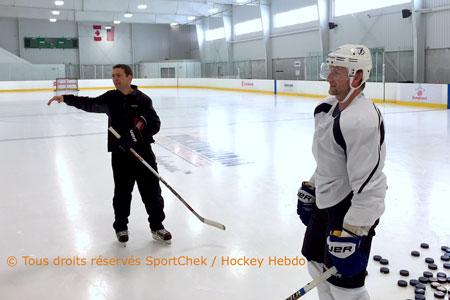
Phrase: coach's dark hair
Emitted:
{"points": [[124, 67]]}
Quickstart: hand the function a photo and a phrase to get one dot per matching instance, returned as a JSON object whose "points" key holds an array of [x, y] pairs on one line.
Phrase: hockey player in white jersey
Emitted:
{"points": [[344, 199]]}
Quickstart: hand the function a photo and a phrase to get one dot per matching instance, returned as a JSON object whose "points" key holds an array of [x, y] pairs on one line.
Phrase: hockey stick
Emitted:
{"points": [[324, 276], [204, 220]]}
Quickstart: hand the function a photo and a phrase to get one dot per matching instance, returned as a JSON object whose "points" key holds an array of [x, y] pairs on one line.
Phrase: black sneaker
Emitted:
{"points": [[162, 235], [122, 236]]}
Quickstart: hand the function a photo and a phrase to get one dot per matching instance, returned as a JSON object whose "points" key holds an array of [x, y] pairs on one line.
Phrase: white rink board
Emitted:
{"points": [[425, 93], [239, 84], [26, 85], [410, 94]]}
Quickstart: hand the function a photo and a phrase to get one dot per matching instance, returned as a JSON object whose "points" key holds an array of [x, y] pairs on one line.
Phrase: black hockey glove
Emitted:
{"points": [[306, 198], [127, 141], [346, 255]]}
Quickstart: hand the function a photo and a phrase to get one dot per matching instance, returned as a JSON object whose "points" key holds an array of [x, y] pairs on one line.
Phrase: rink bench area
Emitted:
{"points": [[410, 94]]}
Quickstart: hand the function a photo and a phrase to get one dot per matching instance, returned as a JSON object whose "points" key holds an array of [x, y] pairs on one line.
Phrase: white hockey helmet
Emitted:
{"points": [[352, 57]]}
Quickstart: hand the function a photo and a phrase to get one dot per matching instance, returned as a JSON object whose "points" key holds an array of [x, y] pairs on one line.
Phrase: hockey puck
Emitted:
{"points": [[419, 297], [446, 265], [415, 253], [444, 248], [424, 246], [432, 279], [419, 291], [435, 285], [404, 273], [448, 279], [439, 295], [402, 283], [423, 279], [377, 257], [432, 266], [442, 280], [384, 270], [429, 260], [442, 289], [384, 261], [427, 274], [441, 274], [445, 258], [421, 286], [413, 282]]}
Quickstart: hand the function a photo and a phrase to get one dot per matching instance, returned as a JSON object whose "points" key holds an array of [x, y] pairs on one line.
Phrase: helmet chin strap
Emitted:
{"points": [[352, 89]]}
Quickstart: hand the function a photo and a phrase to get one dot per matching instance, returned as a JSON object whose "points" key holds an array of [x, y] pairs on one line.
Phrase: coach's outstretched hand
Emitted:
{"points": [[58, 99]]}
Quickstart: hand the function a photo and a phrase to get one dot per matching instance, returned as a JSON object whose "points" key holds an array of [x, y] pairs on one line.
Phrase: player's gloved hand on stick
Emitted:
{"points": [[306, 198], [139, 123], [344, 251], [127, 141]]}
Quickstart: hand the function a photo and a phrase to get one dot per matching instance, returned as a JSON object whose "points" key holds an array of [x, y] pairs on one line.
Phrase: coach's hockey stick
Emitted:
{"points": [[204, 220], [324, 276]]}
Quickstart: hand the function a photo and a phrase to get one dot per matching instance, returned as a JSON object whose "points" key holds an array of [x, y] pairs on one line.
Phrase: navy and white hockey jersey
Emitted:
{"points": [[349, 150]]}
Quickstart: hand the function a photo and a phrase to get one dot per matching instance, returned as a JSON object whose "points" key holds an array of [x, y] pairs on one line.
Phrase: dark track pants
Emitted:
{"points": [[126, 171]]}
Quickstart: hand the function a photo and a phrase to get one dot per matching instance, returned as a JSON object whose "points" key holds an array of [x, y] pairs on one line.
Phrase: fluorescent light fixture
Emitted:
{"points": [[52, 20], [346, 7], [59, 3], [108, 27], [127, 15], [248, 27], [174, 24], [142, 6], [116, 21], [296, 16], [191, 18], [215, 34], [213, 11], [55, 12], [241, 1]]}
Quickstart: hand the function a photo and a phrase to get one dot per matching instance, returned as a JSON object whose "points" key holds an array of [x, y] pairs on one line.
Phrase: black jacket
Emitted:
{"points": [[121, 110]]}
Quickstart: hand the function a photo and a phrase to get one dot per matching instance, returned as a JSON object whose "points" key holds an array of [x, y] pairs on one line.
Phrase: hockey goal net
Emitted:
{"points": [[64, 86]]}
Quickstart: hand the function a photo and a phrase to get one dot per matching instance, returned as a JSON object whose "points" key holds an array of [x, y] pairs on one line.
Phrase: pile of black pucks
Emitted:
{"points": [[437, 284]]}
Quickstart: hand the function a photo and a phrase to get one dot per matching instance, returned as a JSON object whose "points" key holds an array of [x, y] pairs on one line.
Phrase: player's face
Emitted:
{"points": [[120, 79], [339, 82]]}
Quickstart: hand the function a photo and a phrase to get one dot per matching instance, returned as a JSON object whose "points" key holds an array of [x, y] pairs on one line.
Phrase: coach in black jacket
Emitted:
{"points": [[128, 109]]}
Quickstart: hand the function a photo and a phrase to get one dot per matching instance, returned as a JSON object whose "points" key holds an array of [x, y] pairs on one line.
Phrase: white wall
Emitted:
{"points": [[284, 46], [296, 45], [279, 6], [157, 42], [183, 69], [438, 25], [183, 42], [9, 35], [389, 30], [42, 28], [22, 71], [149, 42], [250, 50], [104, 52], [215, 50]]}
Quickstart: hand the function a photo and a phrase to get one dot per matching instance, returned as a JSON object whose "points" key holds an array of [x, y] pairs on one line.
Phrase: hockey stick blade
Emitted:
{"points": [[214, 223], [202, 219], [324, 276]]}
